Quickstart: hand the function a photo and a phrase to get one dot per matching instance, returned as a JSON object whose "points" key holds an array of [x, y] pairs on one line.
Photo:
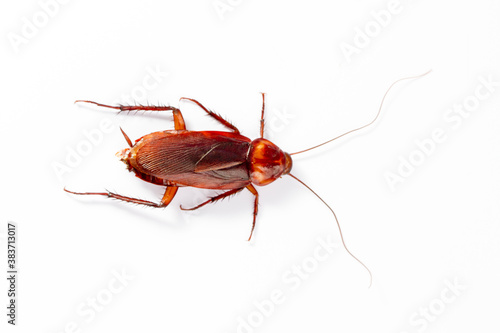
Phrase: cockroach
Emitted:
{"points": [[210, 159]]}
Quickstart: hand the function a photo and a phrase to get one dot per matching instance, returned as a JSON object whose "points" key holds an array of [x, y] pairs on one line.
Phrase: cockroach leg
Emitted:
{"points": [[178, 119], [252, 189], [179, 123], [119, 197], [170, 192], [167, 197], [218, 197], [262, 116], [214, 115]]}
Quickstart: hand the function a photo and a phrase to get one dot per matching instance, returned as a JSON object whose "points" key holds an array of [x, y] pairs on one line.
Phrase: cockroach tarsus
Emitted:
{"points": [[210, 159]]}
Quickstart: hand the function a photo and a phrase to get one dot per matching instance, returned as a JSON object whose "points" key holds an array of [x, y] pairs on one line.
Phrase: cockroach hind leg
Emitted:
{"points": [[167, 197], [178, 119], [98, 104]]}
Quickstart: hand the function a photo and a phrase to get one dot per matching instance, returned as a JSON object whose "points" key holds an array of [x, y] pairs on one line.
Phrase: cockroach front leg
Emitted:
{"points": [[262, 115], [252, 189], [214, 115], [167, 197], [178, 119]]}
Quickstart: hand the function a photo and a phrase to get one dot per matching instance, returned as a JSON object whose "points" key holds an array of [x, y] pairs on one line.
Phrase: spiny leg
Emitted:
{"points": [[169, 195], [178, 119], [218, 197], [252, 189], [170, 192], [214, 115], [262, 116]]}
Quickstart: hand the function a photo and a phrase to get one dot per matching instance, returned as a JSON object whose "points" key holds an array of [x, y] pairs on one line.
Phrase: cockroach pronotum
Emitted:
{"points": [[210, 159]]}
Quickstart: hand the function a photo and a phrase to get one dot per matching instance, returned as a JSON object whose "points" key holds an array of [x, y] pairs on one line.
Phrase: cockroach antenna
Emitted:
{"points": [[338, 137], [371, 122]]}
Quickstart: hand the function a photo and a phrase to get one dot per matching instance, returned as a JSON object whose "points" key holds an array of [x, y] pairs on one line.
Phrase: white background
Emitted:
{"points": [[195, 272]]}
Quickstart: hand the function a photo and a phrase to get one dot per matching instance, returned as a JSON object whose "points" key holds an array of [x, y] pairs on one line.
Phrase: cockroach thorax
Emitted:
{"points": [[267, 162]]}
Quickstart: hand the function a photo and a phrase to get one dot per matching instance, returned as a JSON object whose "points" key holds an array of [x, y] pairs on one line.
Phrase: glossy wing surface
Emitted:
{"points": [[202, 159]]}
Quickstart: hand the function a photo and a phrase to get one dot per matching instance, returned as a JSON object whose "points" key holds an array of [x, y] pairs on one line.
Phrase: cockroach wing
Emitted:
{"points": [[205, 159]]}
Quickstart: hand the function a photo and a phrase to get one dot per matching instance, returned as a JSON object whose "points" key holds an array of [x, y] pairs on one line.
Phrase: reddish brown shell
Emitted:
{"points": [[208, 159]]}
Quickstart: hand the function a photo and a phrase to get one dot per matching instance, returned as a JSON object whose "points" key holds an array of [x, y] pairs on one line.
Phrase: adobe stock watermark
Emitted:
{"points": [[30, 27], [363, 36], [429, 313], [453, 117], [94, 137], [88, 310], [277, 121], [292, 279], [222, 7]]}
